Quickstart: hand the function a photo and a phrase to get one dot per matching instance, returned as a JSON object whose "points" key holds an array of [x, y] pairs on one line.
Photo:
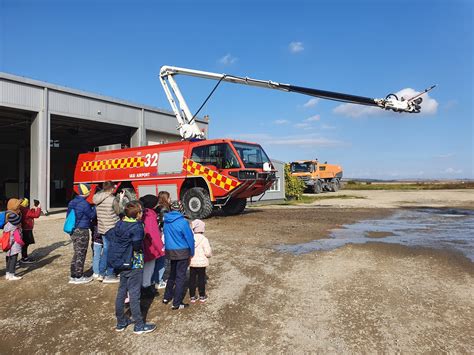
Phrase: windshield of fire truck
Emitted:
{"points": [[252, 155], [300, 167], [220, 155]]}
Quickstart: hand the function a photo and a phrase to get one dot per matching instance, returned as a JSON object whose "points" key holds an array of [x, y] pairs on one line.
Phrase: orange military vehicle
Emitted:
{"points": [[316, 176]]}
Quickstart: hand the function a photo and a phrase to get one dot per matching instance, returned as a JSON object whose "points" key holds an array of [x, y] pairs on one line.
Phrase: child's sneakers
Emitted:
{"points": [[12, 277], [165, 301], [26, 261], [80, 280], [122, 327], [145, 328], [193, 299], [111, 280], [162, 284], [181, 306], [202, 299]]}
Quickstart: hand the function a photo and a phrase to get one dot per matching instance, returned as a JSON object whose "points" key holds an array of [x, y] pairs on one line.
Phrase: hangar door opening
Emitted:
{"points": [[15, 153], [69, 138]]}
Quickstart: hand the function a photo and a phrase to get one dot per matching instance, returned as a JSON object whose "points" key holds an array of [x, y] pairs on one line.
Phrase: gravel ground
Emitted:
{"points": [[358, 298]]}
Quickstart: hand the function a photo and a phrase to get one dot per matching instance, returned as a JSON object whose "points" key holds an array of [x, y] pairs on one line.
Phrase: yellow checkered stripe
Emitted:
{"points": [[212, 176], [109, 164]]}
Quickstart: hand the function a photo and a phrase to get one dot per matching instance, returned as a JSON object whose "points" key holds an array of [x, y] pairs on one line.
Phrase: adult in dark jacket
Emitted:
{"points": [[85, 213], [179, 241]]}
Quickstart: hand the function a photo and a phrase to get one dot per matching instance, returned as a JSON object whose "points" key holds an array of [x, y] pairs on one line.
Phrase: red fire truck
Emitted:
{"points": [[204, 174]]}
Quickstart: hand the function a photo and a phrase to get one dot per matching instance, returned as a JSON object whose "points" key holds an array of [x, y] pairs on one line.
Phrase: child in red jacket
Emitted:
{"points": [[27, 223]]}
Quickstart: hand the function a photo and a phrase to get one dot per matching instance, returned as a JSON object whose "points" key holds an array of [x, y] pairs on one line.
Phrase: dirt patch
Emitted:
{"points": [[364, 298]]}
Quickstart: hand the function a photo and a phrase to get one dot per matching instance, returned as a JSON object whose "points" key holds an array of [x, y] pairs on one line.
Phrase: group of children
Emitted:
{"points": [[134, 242], [18, 234]]}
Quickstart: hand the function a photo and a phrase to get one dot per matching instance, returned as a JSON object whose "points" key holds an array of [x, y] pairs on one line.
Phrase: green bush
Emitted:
{"points": [[294, 187]]}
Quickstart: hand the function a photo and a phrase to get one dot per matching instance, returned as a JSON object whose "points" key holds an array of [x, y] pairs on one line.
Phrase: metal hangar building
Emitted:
{"points": [[43, 128]]}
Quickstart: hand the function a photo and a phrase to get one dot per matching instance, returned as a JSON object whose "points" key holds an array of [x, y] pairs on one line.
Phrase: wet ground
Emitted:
{"points": [[371, 297], [448, 229]]}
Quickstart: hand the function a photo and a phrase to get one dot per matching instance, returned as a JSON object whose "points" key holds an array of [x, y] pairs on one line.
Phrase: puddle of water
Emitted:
{"points": [[447, 229]]}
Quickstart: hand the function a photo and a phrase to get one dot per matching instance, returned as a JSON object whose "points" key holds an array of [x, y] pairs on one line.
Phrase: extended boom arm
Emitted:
{"points": [[189, 129]]}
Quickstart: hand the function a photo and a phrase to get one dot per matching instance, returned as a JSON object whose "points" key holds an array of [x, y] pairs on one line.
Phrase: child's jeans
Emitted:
{"points": [[131, 282], [159, 270], [148, 270], [175, 285], [11, 263], [198, 273], [99, 262], [96, 259]]}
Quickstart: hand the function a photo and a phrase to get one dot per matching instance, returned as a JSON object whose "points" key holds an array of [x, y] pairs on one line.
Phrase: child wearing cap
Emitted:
{"points": [[199, 262], [85, 214], [13, 226], [27, 224]]}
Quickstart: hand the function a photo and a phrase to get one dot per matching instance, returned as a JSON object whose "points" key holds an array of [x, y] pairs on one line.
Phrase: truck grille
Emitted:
{"points": [[304, 178]]}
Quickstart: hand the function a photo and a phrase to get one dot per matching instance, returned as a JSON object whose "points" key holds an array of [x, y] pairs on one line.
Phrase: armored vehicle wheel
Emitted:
{"points": [[235, 206], [317, 187], [335, 185], [197, 203]]}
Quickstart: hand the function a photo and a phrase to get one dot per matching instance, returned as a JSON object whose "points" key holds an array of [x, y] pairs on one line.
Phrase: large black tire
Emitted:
{"points": [[197, 203], [334, 185], [317, 187], [235, 206], [129, 195]]}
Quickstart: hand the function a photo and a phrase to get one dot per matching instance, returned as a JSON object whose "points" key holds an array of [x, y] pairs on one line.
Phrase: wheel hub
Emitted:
{"points": [[194, 204]]}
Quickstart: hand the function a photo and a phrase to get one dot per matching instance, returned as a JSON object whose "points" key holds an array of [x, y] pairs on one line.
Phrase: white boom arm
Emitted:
{"points": [[189, 129]]}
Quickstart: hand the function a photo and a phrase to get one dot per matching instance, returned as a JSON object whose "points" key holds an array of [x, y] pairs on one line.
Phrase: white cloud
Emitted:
{"points": [[326, 126], [281, 122], [429, 106], [296, 47], [453, 171], [313, 118], [309, 140], [303, 125], [444, 156], [228, 59], [311, 102]]}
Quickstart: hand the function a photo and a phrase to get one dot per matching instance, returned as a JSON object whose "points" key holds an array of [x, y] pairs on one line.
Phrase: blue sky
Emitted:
{"points": [[368, 48]]}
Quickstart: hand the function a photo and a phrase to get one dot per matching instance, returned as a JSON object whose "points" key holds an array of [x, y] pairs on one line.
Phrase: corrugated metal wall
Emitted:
{"points": [[20, 96]]}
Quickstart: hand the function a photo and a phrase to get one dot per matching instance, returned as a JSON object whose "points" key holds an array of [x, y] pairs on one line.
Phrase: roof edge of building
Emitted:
{"points": [[44, 84]]}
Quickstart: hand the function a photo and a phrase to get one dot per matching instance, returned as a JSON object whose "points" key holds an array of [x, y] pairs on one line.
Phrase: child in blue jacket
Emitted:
{"points": [[179, 241], [85, 213]]}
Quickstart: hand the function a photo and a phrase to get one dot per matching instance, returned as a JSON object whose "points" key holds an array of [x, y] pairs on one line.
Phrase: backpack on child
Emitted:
{"points": [[5, 241], [3, 217], [70, 222], [119, 254]]}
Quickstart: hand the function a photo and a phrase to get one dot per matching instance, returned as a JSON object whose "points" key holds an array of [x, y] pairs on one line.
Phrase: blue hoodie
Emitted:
{"points": [[85, 213], [179, 238]]}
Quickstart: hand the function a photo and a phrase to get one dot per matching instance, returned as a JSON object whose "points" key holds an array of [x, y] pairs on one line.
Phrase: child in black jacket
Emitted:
{"points": [[125, 255]]}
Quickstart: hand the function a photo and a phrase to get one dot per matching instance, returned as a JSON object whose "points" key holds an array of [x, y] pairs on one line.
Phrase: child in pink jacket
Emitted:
{"points": [[199, 262], [152, 244]]}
